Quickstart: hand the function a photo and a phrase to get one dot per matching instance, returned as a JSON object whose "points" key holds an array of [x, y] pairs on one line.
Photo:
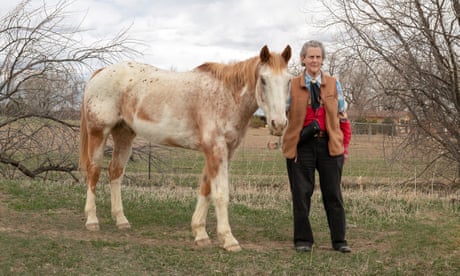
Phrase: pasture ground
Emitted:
{"points": [[393, 229]]}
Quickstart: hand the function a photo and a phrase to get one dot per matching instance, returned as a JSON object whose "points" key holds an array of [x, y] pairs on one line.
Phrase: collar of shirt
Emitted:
{"points": [[308, 79]]}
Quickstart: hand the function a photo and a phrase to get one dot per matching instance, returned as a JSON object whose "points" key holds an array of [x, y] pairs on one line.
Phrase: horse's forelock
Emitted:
{"points": [[277, 63]]}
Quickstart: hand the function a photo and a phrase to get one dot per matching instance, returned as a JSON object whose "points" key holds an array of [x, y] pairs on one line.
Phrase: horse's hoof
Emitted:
{"points": [[92, 226], [233, 248], [123, 226], [203, 242]]}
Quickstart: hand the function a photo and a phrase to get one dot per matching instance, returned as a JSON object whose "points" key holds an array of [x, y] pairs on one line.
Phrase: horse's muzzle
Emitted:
{"points": [[277, 127]]}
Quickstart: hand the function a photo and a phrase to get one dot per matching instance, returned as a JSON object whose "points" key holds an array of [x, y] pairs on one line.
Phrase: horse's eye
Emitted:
{"points": [[262, 80]]}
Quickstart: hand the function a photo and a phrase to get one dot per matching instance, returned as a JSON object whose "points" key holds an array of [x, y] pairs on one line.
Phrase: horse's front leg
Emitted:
{"points": [[215, 183], [220, 196]]}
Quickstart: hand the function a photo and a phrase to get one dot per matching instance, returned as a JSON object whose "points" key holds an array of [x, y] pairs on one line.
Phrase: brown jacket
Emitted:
{"points": [[300, 97]]}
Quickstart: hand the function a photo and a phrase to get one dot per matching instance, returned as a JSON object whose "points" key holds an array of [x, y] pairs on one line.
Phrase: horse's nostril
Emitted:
{"points": [[278, 124]]}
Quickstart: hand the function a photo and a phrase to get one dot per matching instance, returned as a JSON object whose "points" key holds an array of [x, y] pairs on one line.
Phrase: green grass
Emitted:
{"points": [[396, 225], [391, 233]]}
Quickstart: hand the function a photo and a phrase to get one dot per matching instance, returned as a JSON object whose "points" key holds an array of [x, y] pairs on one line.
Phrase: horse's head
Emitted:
{"points": [[272, 88]]}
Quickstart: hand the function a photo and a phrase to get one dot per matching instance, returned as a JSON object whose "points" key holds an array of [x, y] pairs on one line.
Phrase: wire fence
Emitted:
{"points": [[379, 155]]}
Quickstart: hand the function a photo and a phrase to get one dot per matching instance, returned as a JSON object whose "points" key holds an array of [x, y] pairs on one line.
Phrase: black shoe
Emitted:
{"points": [[343, 249], [303, 248]]}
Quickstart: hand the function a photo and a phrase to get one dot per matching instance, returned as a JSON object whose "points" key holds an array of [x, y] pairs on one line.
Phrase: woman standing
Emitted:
{"points": [[316, 138]]}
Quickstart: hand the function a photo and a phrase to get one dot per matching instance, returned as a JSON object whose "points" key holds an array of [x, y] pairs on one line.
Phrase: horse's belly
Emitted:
{"points": [[168, 134]]}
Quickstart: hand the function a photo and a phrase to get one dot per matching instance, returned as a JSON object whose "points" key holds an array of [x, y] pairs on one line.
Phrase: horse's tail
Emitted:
{"points": [[82, 164], [83, 141]]}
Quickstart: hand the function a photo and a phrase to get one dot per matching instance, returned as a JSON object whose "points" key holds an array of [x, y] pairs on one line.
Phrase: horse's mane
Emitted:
{"points": [[234, 75]]}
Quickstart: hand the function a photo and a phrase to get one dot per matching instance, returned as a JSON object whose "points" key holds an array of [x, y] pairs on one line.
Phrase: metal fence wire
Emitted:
{"points": [[379, 155]]}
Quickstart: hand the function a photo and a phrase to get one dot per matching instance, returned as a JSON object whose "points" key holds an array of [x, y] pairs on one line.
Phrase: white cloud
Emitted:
{"points": [[182, 34]]}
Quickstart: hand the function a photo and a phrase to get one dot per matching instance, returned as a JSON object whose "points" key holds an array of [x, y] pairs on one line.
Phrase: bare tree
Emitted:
{"points": [[411, 51], [42, 66]]}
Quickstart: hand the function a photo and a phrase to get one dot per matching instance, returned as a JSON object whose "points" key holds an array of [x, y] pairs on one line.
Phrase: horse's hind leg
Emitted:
{"points": [[96, 142], [122, 143], [201, 211]]}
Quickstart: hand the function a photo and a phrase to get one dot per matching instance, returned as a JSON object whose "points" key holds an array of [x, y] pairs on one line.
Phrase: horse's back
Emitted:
{"points": [[138, 78], [128, 82], [117, 78], [155, 103]]}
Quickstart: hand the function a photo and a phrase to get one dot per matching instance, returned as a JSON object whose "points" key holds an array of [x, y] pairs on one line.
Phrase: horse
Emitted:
{"points": [[205, 109]]}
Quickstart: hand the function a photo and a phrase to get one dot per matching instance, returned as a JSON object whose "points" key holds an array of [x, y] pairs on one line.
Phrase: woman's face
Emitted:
{"points": [[313, 60]]}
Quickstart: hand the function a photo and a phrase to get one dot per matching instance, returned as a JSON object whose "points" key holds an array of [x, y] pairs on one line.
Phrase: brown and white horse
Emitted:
{"points": [[206, 109]]}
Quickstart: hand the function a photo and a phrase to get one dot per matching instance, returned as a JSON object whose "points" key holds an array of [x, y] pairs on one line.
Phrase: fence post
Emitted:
{"points": [[369, 131], [150, 158]]}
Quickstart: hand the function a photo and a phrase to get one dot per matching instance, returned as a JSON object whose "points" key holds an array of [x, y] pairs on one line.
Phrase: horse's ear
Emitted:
{"points": [[286, 53], [264, 54]]}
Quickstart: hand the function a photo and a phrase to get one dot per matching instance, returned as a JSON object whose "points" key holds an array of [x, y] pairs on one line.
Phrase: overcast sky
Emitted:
{"points": [[182, 34]]}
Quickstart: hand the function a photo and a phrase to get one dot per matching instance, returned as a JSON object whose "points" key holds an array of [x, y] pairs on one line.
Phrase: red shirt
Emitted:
{"points": [[320, 116]]}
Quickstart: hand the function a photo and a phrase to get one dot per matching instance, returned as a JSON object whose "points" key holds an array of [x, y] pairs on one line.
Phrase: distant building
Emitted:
{"points": [[398, 117], [384, 121]]}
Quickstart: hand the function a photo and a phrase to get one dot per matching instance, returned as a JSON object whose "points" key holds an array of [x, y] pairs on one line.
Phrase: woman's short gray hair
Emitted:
{"points": [[310, 44]]}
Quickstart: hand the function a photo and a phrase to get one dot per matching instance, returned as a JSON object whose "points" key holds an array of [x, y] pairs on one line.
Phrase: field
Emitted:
{"points": [[397, 224]]}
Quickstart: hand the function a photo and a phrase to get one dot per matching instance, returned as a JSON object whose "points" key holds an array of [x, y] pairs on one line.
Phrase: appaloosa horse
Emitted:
{"points": [[206, 109]]}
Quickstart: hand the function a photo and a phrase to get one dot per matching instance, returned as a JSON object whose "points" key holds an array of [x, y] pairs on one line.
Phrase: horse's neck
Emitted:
{"points": [[236, 77], [243, 75], [247, 104], [240, 80], [246, 101]]}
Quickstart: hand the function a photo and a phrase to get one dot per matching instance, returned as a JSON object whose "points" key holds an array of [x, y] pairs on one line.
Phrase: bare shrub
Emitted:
{"points": [[42, 70]]}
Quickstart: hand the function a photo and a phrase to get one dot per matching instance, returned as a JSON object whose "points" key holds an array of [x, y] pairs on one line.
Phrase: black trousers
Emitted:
{"points": [[314, 155]]}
